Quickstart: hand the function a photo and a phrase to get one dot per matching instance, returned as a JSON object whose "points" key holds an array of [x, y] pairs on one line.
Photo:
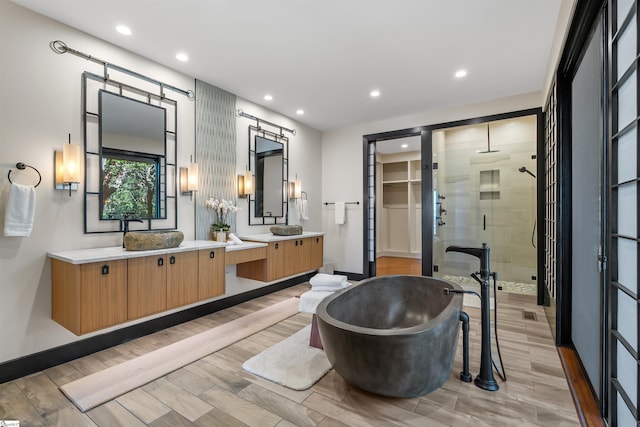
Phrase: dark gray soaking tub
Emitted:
{"points": [[392, 335]]}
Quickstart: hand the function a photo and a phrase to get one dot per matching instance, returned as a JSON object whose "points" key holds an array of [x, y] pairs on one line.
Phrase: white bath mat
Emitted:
{"points": [[102, 386], [291, 363]]}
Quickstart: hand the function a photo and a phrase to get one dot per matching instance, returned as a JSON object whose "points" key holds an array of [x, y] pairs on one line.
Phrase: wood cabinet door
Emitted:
{"points": [[302, 249], [277, 262], [103, 295], [317, 253], [147, 285], [182, 279], [210, 273]]}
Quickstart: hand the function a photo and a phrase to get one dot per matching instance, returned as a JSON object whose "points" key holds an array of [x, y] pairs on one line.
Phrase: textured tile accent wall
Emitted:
{"points": [[215, 151]]}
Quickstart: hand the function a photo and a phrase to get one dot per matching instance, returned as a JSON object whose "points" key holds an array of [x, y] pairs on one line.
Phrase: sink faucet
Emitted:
{"points": [[124, 225]]}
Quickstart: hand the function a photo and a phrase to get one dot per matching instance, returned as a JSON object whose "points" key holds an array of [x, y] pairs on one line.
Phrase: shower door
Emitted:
{"points": [[484, 190]]}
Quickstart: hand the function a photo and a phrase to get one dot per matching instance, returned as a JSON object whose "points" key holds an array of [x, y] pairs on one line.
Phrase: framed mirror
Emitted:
{"points": [[268, 161], [130, 157], [133, 156]]}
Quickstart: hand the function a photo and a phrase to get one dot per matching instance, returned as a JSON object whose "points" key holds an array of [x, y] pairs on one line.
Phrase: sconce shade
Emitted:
{"points": [[245, 184], [70, 163], [193, 177], [297, 185], [248, 183], [189, 178]]}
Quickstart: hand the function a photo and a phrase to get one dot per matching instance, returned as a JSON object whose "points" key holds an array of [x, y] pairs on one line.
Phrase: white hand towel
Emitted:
{"points": [[303, 213], [20, 210], [340, 213], [235, 239]]}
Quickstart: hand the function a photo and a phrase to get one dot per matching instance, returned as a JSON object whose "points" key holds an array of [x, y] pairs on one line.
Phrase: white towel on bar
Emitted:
{"points": [[340, 212], [20, 210], [303, 212]]}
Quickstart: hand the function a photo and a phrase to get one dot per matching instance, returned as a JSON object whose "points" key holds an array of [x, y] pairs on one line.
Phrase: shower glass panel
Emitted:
{"points": [[485, 191]]}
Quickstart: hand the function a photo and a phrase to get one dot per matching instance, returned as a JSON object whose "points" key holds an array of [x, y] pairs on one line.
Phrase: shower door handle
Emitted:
{"points": [[484, 222]]}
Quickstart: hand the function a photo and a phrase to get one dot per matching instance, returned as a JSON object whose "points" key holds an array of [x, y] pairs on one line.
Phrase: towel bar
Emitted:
{"points": [[346, 203], [23, 166]]}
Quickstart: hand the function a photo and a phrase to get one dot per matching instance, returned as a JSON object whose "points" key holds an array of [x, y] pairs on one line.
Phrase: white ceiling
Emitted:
{"points": [[326, 56]]}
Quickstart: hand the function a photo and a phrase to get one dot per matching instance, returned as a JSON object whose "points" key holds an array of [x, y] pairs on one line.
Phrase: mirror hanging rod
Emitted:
{"points": [[258, 120], [61, 47]]}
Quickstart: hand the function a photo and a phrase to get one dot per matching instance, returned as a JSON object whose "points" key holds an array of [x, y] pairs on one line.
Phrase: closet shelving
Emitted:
{"points": [[400, 225]]}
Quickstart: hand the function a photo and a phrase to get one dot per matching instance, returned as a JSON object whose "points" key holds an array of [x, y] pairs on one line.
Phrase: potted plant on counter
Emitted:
{"points": [[222, 210]]}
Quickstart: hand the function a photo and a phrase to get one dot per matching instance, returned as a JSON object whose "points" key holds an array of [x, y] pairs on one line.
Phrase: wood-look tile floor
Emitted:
{"points": [[215, 391]]}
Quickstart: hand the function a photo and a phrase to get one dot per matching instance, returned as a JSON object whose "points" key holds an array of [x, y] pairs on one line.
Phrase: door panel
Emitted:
{"points": [[587, 142]]}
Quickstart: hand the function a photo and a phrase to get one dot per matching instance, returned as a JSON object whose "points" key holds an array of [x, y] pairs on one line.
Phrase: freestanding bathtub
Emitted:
{"points": [[392, 335]]}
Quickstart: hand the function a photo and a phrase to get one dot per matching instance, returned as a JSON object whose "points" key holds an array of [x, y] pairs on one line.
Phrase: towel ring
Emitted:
{"points": [[22, 166]]}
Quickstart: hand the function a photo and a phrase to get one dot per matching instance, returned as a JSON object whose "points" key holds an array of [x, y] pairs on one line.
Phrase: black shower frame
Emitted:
{"points": [[426, 132]]}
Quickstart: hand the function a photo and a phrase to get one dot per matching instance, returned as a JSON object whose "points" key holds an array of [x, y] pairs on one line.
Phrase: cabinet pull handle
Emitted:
{"points": [[301, 242], [172, 260], [296, 242], [212, 254], [317, 240], [276, 246], [105, 269], [160, 262]]}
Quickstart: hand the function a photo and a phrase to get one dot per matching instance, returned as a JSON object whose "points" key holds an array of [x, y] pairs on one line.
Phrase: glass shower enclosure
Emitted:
{"points": [[484, 190]]}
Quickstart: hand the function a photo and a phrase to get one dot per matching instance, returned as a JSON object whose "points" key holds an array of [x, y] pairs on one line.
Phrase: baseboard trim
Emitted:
{"points": [[46, 359], [581, 391], [356, 277]]}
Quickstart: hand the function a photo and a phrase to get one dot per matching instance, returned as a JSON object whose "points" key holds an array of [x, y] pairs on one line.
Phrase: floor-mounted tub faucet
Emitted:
{"points": [[485, 378]]}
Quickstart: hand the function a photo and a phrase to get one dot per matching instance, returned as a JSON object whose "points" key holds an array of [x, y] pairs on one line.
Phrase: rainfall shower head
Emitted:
{"points": [[525, 170]]}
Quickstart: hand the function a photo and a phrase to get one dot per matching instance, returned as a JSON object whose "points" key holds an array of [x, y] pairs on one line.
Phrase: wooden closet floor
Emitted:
{"points": [[215, 391]]}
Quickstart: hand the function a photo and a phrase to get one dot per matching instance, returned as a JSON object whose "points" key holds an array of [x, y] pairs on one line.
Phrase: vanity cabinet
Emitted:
{"points": [[88, 297], [210, 273], [285, 257], [93, 289]]}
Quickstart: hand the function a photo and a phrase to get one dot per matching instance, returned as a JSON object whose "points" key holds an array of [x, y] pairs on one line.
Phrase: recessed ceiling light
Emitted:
{"points": [[405, 146], [300, 112], [268, 97], [182, 57], [461, 73], [375, 93], [123, 29]]}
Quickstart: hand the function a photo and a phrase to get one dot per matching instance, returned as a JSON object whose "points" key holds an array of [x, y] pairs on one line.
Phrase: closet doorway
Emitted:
{"points": [[399, 211]]}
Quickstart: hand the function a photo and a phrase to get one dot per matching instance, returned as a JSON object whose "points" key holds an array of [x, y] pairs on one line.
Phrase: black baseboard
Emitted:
{"points": [[48, 358], [351, 276]]}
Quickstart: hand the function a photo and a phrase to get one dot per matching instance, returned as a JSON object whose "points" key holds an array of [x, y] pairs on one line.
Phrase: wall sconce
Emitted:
{"points": [[245, 184], [189, 179], [67, 167], [295, 188]]}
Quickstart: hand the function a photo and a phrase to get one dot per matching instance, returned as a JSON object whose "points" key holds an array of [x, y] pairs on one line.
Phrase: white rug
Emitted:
{"points": [[102, 386], [291, 363]]}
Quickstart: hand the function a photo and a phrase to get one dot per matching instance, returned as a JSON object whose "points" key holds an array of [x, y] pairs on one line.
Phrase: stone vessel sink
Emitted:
{"points": [[149, 240], [286, 230]]}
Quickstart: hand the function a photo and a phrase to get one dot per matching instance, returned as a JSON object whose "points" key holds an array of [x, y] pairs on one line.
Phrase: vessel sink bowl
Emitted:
{"points": [[286, 230], [150, 240]]}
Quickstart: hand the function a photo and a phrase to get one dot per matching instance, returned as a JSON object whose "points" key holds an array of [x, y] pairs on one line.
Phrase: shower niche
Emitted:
{"points": [[489, 188]]}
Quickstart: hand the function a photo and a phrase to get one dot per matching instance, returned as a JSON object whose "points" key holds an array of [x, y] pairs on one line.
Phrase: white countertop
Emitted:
{"points": [[84, 256], [244, 245], [268, 237]]}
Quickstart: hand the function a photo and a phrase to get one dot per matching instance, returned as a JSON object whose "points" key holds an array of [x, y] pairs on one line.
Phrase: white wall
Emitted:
{"points": [[41, 103], [342, 170], [305, 152]]}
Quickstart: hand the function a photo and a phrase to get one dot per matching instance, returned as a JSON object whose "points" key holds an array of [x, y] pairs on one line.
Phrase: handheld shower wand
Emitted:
{"points": [[525, 170]]}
